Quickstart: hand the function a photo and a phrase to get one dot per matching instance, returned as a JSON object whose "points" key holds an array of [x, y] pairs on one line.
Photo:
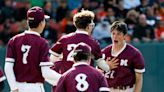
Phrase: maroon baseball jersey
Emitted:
{"points": [[2, 77], [28, 51], [130, 61], [66, 44], [82, 78]]}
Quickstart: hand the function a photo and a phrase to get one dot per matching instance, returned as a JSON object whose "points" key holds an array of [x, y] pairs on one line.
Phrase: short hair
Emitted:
{"points": [[81, 56], [33, 24], [83, 18], [120, 26]]}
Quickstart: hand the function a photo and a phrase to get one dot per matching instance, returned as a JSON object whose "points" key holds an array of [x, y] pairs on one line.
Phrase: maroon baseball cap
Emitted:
{"points": [[82, 47], [36, 14]]}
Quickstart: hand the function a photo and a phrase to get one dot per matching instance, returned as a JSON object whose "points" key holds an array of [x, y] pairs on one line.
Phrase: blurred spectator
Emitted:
{"points": [[102, 33], [94, 5], [143, 32], [158, 11], [151, 20], [120, 11], [109, 3], [131, 21], [85, 5], [131, 4], [110, 15], [21, 12], [100, 13], [67, 24], [13, 15], [7, 12], [48, 9], [72, 4], [50, 33], [160, 31], [142, 7], [61, 10]]}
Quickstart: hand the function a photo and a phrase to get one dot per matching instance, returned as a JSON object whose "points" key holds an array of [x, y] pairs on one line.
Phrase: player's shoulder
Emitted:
{"points": [[18, 36], [133, 49], [69, 72], [66, 36], [107, 48]]}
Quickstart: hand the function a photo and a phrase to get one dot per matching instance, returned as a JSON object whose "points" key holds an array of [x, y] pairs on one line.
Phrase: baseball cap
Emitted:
{"points": [[82, 48], [36, 13]]}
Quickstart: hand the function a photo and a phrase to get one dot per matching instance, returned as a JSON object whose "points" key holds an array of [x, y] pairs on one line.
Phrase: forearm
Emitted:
{"points": [[103, 65], [55, 56], [50, 76], [138, 84], [10, 75]]}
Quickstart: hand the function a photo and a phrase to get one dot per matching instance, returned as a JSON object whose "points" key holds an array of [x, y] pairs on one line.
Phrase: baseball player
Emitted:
{"points": [[82, 77], [65, 45], [27, 58], [83, 21], [127, 72]]}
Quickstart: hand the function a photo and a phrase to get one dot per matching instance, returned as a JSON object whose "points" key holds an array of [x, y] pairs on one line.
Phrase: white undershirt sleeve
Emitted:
{"points": [[10, 75], [103, 65], [50, 76]]}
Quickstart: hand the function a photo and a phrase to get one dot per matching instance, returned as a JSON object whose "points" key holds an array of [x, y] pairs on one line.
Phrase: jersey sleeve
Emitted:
{"points": [[10, 51], [97, 51], [57, 47], [44, 55], [138, 63]]}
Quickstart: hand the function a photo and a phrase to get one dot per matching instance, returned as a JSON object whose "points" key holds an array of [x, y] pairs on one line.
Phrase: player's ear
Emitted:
{"points": [[87, 28]]}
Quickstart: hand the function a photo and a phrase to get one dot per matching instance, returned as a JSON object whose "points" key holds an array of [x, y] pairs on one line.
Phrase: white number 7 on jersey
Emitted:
{"points": [[25, 49]]}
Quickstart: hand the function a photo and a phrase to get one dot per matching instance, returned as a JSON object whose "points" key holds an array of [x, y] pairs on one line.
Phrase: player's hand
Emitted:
{"points": [[112, 62], [16, 90]]}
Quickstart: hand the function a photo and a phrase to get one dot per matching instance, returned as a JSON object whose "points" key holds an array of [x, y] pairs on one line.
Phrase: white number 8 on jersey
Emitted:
{"points": [[82, 84]]}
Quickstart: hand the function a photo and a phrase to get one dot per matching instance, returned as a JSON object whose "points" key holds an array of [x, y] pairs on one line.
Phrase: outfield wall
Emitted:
{"points": [[154, 64]]}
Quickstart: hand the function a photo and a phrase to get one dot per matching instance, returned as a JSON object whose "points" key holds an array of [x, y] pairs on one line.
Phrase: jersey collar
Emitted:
{"points": [[80, 63], [81, 32], [116, 54], [32, 32]]}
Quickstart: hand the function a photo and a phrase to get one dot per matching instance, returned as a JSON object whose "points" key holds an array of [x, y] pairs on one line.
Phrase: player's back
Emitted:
{"points": [[70, 41], [27, 49], [83, 78]]}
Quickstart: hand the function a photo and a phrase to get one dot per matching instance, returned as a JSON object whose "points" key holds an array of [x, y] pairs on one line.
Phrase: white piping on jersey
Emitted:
{"points": [[81, 32], [116, 54], [10, 59], [31, 32], [104, 89], [80, 63], [139, 70], [46, 64], [54, 53]]}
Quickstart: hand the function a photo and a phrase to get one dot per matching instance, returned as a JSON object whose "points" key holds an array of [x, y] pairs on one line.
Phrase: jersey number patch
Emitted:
{"points": [[70, 48], [82, 84], [25, 49]]}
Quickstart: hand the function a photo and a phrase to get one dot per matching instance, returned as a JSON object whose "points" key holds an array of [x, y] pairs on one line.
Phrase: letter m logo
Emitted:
{"points": [[124, 62]]}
